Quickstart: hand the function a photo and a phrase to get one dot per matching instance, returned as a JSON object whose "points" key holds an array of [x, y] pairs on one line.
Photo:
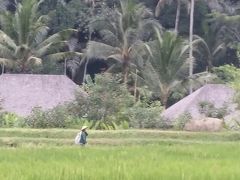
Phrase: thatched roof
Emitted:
{"points": [[22, 92], [217, 94]]}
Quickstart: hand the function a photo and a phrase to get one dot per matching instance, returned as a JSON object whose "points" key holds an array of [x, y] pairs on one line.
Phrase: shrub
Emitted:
{"points": [[37, 119], [227, 73], [209, 110], [106, 101], [58, 117], [10, 120], [181, 121], [145, 116]]}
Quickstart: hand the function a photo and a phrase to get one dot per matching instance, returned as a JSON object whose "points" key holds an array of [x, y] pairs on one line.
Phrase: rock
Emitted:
{"points": [[232, 121], [206, 124]]}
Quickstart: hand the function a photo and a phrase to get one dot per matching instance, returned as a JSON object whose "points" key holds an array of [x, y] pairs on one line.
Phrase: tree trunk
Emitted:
{"points": [[158, 7], [164, 100], [125, 68], [210, 66], [165, 91], [191, 45], [125, 74], [65, 66], [178, 15], [23, 68], [3, 68], [85, 71], [135, 88]]}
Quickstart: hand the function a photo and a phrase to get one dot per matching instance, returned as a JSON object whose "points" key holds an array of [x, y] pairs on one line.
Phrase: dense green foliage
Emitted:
{"points": [[24, 38], [135, 39], [107, 100], [230, 75]]}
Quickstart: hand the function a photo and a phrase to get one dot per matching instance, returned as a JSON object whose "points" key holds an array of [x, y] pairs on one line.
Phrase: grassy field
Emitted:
{"points": [[131, 155]]}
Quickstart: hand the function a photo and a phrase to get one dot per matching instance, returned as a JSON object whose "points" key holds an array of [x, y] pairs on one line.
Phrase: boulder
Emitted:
{"points": [[232, 121], [206, 124]]}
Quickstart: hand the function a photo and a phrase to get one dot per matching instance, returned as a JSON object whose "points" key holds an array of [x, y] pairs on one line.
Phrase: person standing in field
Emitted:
{"points": [[81, 137]]}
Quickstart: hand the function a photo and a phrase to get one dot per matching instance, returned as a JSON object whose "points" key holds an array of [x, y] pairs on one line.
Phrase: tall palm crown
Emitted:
{"points": [[167, 65], [219, 31], [121, 34], [24, 39]]}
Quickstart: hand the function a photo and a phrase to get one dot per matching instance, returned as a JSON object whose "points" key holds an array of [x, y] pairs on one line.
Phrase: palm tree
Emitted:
{"points": [[220, 30], [121, 36], [162, 3], [24, 39], [168, 64], [191, 58]]}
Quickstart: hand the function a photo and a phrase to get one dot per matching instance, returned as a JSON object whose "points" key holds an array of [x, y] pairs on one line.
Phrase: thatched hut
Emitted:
{"points": [[216, 94], [20, 93]]}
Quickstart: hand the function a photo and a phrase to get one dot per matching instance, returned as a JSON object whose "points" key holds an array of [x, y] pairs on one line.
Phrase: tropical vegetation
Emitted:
{"points": [[25, 39], [156, 53]]}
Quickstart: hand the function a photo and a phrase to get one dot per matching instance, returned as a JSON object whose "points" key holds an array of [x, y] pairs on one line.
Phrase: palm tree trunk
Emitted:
{"points": [[210, 66], [164, 100], [158, 7], [191, 45], [135, 88], [125, 68], [65, 66], [23, 68], [178, 15], [85, 71], [125, 74], [3, 68], [164, 95]]}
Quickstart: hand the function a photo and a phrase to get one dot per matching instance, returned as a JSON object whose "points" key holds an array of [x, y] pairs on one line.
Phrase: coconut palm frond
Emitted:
{"points": [[7, 62], [159, 6], [218, 49], [7, 41], [168, 63], [116, 57], [7, 23], [200, 41], [101, 50], [63, 55], [51, 48], [130, 36], [109, 37], [6, 52], [102, 23], [23, 20], [34, 61], [60, 36], [38, 35]]}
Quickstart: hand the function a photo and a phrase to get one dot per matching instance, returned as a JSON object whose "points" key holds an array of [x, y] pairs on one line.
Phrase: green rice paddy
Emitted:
{"points": [[118, 155]]}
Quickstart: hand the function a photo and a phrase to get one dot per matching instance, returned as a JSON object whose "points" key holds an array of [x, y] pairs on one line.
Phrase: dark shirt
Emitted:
{"points": [[83, 138]]}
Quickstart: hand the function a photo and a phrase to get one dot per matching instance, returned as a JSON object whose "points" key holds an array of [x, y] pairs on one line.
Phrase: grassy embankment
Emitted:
{"points": [[134, 154]]}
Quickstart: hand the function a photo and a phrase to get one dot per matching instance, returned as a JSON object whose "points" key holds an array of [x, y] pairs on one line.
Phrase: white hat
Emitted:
{"points": [[84, 127]]}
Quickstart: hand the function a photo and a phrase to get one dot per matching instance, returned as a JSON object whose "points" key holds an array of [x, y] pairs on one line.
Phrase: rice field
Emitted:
{"points": [[119, 155]]}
